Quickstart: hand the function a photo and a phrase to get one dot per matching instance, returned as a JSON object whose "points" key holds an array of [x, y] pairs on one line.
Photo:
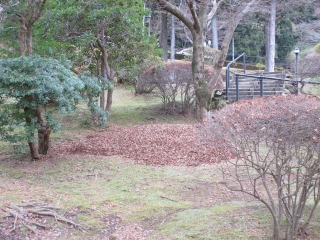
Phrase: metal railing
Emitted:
{"points": [[259, 76], [228, 71]]}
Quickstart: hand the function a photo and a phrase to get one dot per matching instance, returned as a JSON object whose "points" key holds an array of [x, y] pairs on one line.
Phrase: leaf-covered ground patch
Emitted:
{"points": [[154, 144]]}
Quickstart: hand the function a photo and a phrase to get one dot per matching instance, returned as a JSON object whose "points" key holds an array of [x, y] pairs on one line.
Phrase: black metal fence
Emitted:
{"points": [[261, 77]]}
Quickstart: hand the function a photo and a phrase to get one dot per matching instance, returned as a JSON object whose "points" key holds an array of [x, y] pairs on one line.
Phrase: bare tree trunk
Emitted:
{"points": [[197, 25], [43, 134], [102, 70], [214, 33], [32, 145], [173, 39], [27, 19], [44, 140], [164, 36], [102, 96], [34, 150], [267, 34], [272, 37], [29, 40], [198, 75], [223, 52], [276, 229], [107, 72], [102, 99], [22, 36], [109, 96]]}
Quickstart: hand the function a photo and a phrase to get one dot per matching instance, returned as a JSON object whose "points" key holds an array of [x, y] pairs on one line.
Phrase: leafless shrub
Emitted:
{"points": [[275, 142], [309, 32], [308, 69], [174, 83]]}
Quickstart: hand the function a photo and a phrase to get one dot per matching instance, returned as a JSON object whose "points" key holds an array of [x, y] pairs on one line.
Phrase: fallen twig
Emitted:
{"points": [[14, 223], [37, 204], [26, 220], [39, 209], [58, 218], [91, 175], [16, 208], [168, 199], [31, 204], [30, 228]]}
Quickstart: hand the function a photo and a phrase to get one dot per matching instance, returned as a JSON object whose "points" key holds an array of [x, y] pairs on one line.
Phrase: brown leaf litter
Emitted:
{"points": [[154, 144]]}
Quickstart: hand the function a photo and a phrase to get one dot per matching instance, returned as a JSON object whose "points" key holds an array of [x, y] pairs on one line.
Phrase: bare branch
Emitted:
{"points": [[176, 12], [276, 143]]}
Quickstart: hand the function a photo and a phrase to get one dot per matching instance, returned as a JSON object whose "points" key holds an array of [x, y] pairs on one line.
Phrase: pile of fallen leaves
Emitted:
{"points": [[154, 144]]}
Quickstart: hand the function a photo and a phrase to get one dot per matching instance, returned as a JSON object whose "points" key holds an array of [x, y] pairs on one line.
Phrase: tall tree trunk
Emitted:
{"points": [[102, 96], [164, 36], [198, 34], [32, 145], [44, 140], [29, 40], [102, 99], [272, 37], [276, 229], [232, 24], [197, 25], [34, 150], [110, 95], [214, 33], [27, 19], [22, 36], [43, 134], [200, 83], [102, 70], [173, 39], [267, 34], [107, 71]]}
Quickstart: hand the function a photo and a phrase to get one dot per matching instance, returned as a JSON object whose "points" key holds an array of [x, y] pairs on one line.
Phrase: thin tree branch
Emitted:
{"points": [[177, 12]]}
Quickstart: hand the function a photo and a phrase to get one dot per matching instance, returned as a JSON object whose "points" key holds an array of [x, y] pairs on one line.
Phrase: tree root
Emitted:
{"points": [[23, 211]]}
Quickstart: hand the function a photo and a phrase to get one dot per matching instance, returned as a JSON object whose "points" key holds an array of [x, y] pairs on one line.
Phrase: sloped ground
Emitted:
{"points": [[154, 144]]}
